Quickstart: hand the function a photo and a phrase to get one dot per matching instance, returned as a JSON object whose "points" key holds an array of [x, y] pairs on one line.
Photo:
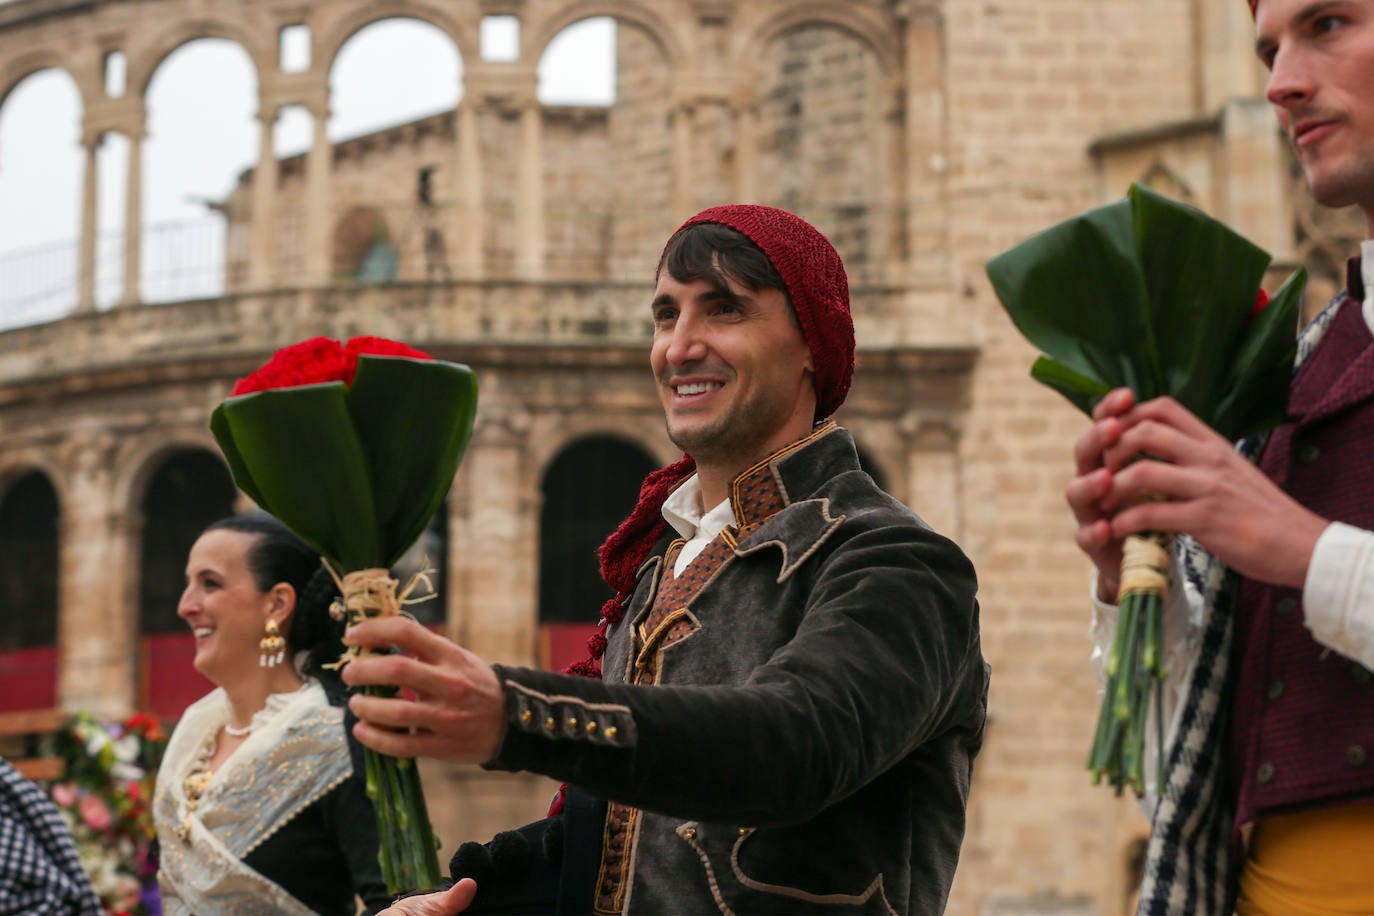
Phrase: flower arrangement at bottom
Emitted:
{"points": [[105, 796]]}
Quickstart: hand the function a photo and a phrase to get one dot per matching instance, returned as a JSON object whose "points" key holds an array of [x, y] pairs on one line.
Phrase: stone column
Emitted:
{"points": [[133, 220], [529, 193], [89, 197], [925, 197], [494, 542], [1256, 185], [319, 164], [262, 268], [682, 116], [96, 628], [933, 477], [469, 227], [746, 114], [1225, 49]]}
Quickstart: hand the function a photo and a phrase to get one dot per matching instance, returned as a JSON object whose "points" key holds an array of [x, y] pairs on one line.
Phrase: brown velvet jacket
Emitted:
{"points": [[808, 743]]}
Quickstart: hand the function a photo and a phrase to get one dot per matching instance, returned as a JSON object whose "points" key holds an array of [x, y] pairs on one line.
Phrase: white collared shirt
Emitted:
{"points": [[682, 509]]}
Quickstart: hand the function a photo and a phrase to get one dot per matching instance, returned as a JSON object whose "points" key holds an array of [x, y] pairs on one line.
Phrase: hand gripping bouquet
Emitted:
{"points": [[353, 447], [1156, 296]]}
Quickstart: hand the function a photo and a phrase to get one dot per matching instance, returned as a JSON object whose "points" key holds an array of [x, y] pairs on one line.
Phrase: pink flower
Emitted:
{"points": [[64, 794], [94, 812]]}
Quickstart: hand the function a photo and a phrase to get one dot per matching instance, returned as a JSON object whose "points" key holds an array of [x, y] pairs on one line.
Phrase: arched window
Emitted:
{"points": [[185, 494], [189, 491], [588, 489], [28, 594]]}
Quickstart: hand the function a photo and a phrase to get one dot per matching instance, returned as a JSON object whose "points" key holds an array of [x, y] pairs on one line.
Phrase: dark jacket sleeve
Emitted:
{"points": [[884, 659]]}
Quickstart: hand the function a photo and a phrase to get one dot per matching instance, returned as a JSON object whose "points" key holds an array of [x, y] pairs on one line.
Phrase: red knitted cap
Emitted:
{"points": [[814, 275]]}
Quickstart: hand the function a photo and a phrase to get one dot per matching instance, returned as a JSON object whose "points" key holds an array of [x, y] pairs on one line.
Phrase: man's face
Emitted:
{"points": [[733, 371], [1320, 55]]}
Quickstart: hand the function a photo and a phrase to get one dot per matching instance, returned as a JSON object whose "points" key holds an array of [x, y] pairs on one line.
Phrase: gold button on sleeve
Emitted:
{"points": [[572, 723], [526, 717], [550, 723], [611, 732], [591, 727]]}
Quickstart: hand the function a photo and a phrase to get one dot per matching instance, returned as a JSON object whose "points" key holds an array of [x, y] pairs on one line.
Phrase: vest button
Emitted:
{"points": [[1355, 756], [1275, 690], [1265, 774], [1360, 674], [1309, 453], [1286, 606]]}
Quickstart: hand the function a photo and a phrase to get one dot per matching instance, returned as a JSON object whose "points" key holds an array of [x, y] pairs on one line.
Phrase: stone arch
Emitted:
{"points": [[30, 588], [588, 488], [144, 62], [366, 14], [139, 458], [14, 465], [631, 428], [877, 33], [535, 42], [26, 65], [171, 520]]}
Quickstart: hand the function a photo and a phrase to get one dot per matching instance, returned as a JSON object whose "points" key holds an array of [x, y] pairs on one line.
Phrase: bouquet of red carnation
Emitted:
{"points": [[1156, 296], [353, 446]]}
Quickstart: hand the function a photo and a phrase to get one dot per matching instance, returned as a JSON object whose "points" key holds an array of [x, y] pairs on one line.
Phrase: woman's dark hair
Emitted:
{"points": [[278, 555], [716, 253]]}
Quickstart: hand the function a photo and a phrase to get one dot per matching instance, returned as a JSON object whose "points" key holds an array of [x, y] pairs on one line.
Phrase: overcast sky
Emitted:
{"points": [[202, 132]]}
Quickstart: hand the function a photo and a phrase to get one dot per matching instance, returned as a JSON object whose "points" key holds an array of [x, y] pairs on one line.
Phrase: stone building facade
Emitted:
{"points": [[923, 136]]}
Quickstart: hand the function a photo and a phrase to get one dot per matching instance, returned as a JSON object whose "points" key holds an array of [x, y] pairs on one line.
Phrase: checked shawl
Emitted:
{"points": [[1189, 865], [40, 872]]}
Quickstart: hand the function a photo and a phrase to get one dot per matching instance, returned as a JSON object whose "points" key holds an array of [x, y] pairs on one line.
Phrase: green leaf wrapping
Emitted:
{"points": [[1153, 295], [414, 419], [356, 471], [298, 451]]}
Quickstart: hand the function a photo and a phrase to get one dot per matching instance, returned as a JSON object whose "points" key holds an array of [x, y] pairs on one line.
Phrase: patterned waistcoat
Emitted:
{"points": [[1303, 725], [755, 497]]}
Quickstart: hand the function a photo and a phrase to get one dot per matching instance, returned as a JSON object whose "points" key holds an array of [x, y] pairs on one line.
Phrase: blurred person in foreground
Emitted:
{"points": [[40, 869], [1268, 804], [784, 705], [258, 805]]}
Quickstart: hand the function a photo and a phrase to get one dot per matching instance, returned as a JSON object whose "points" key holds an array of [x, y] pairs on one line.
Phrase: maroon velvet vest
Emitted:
{"points": [[1303, 720]]}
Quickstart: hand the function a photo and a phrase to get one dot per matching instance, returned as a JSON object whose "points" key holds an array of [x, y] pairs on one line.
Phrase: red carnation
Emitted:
{"points": [[320, 359], [376, 346], [1261, 301]]}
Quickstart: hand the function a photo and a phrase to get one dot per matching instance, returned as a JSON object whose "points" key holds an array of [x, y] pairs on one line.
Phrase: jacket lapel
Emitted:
{"points": [[796, 531]]}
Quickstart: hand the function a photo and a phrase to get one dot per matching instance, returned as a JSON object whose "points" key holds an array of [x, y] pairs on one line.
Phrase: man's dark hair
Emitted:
{"points": [[716, 253]]}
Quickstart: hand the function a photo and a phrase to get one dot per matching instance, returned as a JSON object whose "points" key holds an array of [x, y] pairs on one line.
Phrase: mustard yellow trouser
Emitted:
{"points": [[1311, 863]]}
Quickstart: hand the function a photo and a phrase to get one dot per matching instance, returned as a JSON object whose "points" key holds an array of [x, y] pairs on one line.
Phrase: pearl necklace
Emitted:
{"points": [[238, 732]]}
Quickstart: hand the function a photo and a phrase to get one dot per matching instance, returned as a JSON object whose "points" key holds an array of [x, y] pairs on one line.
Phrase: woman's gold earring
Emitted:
{"points": [[272, 646]]}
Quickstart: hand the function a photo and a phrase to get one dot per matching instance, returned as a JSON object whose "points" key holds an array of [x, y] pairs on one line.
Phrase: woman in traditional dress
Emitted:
{"points": [[259, 807]]}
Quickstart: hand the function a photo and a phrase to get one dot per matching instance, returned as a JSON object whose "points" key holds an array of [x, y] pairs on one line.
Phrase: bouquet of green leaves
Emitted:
{"points": [[353, 446], [1156, 296]]}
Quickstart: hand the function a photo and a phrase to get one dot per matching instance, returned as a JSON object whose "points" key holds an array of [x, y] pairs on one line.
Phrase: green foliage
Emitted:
{"points": [[1156, 296]]}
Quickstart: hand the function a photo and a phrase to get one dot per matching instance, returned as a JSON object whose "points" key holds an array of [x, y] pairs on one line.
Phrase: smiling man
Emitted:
{"points": [[783, 711], [1268, 806]]}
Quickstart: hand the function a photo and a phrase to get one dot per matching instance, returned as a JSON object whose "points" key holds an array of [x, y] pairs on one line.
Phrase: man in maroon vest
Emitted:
{"points": [[1269, 799]]}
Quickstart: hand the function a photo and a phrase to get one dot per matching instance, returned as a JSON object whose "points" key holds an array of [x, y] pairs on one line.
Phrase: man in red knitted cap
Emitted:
{"points": [[782, 709], [1268, 804]]}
